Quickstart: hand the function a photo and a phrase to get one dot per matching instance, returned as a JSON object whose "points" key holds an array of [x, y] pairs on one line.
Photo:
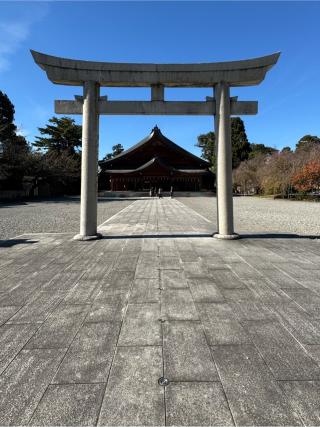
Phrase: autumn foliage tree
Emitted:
{"points": [[282, 172], [247, 176], [276, 175], [308, 178]]}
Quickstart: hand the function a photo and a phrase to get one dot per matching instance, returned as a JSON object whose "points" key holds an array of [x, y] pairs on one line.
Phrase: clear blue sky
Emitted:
{"points": [[193, 31]]}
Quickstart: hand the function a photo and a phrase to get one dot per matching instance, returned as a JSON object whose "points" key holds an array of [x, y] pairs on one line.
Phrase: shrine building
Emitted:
{"points": [[155, 162]]}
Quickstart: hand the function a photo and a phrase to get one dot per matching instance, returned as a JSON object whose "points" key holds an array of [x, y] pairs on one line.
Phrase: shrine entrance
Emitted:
{"points": [[219, 76]]}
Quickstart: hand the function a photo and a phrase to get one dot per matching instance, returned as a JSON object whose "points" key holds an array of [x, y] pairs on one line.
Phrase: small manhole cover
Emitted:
{"points": [[163, 381]]}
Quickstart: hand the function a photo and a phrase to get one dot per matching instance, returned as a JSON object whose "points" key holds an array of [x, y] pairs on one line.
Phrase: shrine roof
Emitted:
{"points": [[155, 134]]}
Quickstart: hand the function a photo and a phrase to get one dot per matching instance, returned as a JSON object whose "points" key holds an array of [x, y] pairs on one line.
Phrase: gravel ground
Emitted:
{"points": [[56, 215], [259, 215], [251, 214]]}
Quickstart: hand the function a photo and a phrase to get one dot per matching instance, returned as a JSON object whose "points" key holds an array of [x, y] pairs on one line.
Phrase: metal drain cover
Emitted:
{"points": [[163, 381]]}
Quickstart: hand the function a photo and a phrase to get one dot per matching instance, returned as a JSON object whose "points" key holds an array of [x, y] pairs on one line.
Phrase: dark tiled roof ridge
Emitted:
{"points": [[145, 165], [155, 132], [155, 159]]}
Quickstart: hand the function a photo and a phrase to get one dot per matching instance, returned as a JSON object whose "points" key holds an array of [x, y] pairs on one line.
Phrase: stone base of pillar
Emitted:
{"points": [[83, 238], [233, 236]]}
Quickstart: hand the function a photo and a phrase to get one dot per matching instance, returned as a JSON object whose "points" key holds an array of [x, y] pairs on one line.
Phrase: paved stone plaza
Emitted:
{"points": [[88, 328]]}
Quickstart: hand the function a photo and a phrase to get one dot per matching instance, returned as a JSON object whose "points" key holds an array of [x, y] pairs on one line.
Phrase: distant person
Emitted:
{"points": [[171, 191]]}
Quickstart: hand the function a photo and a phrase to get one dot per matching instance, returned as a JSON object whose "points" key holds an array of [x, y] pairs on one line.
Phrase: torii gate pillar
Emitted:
{"points": [[224, 163], [89, 162]]}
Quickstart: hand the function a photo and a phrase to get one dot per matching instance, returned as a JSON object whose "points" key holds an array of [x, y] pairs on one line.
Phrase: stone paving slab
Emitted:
{"points": [[305, 397], [89, 357], [186, 353], [197, 404], [88, 328], [251, 390], [141, 326], [69, 405], [285, 357], [24, 382], [133, 396]]}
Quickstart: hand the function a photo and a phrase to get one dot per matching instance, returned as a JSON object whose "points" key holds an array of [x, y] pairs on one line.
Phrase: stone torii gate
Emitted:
{"points": [[217, 75]]}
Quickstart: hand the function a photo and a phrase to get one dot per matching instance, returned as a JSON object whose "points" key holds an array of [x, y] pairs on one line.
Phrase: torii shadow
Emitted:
{"points": [[12, 242], [156, 236], [279, 236], [197, 235]]}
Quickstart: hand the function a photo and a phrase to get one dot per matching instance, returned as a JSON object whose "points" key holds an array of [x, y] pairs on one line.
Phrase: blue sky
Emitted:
{"points": [[193, 31]]}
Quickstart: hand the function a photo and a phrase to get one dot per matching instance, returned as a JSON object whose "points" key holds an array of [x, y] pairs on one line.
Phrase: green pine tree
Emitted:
{"points": [[61, 135], [240, 144]]}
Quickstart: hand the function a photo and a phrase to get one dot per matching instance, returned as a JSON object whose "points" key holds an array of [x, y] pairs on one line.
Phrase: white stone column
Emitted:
{"points": [[224, 163], [216, 135], [89, 162]]}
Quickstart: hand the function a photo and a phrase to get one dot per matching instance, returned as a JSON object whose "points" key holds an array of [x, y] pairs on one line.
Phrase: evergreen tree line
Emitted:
{"points": [[242, 149], [49, 166]]}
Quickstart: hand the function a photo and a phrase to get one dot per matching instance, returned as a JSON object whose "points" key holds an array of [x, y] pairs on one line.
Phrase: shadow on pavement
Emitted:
{"points": [[278, 236], [13, 242], [242, 236], [156, 236]]}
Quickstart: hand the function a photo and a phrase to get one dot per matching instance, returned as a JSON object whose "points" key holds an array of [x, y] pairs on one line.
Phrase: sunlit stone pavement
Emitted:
{"points": [[89, 328]]}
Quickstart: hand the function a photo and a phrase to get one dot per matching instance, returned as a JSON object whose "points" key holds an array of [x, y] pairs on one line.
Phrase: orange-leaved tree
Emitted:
{"points": [[308, 178]]}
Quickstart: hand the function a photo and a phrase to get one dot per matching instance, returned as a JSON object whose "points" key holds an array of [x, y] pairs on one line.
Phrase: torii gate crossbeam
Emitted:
{"points": [[92, 75]]}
